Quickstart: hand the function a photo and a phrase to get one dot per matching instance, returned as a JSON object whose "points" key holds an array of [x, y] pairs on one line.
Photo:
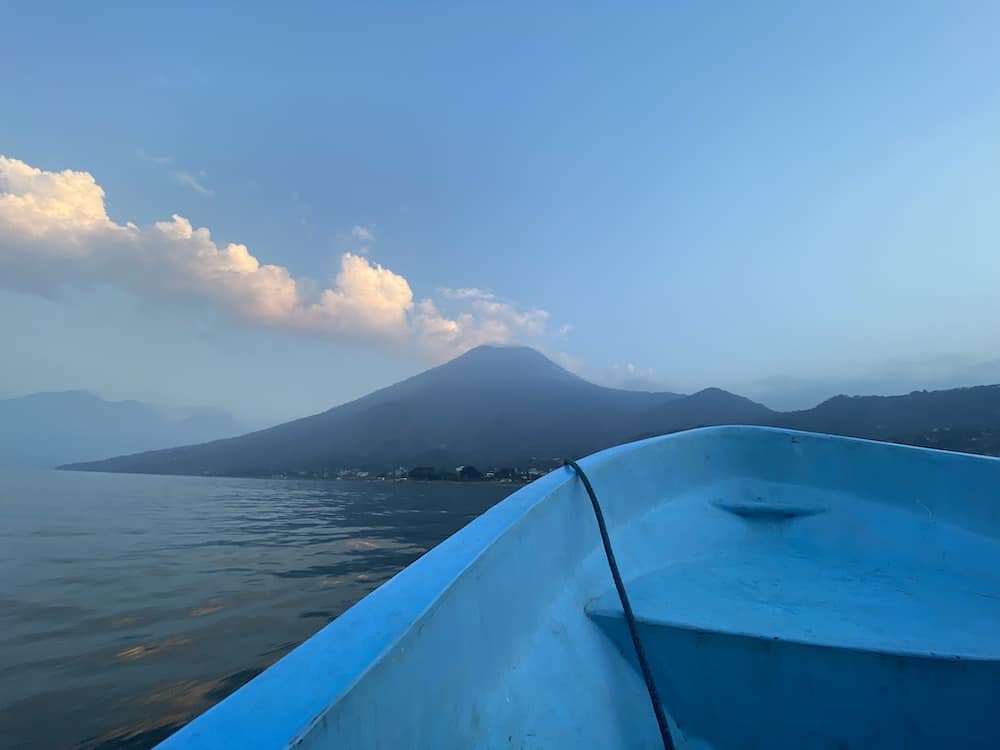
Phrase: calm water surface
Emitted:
{"points": [[129, 604]]}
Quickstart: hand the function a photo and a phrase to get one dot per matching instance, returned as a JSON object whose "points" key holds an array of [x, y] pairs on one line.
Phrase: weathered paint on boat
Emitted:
{"points": [[791, 590]]}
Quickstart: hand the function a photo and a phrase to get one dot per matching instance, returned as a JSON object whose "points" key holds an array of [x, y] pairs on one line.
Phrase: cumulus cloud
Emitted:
{"points": [[483, 319], [482, 322], [55, 233]]}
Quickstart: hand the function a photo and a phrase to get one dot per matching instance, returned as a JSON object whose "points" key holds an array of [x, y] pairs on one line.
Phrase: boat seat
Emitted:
{"points": [[835, 602], [782, 648]]}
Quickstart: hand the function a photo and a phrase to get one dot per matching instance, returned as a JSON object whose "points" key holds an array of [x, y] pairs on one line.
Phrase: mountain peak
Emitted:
{"points": [[508, 352], [719, 395], [712, 391], [494, 362]]}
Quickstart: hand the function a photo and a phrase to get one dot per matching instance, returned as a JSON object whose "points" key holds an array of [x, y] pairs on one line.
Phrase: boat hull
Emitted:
{"points": [[792, 590]]}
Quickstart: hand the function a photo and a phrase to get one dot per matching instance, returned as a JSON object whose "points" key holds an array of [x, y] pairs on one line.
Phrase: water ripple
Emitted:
{"points": [[130, 604]]}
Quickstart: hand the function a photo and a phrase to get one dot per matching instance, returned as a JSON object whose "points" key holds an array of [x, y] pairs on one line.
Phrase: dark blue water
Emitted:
{"points": [[130, 604]]}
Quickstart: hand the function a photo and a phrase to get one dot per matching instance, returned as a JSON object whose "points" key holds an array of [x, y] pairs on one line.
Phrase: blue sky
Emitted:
{"points": [[786, 200]]}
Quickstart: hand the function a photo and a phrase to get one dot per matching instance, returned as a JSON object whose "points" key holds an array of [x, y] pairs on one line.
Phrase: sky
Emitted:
{"points": [[276, 210]]}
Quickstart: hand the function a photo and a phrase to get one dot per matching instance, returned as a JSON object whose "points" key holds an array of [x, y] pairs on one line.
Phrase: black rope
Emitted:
{"points": [[647, 674]]}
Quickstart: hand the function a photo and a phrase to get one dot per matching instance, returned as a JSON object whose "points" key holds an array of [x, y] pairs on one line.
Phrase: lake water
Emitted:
{"points": [[130, 604]]}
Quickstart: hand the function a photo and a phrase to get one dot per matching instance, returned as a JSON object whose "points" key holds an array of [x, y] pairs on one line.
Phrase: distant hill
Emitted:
{"points": [[496, 406], [46, 429], [965, 419], [502, 405], [711, 406]]}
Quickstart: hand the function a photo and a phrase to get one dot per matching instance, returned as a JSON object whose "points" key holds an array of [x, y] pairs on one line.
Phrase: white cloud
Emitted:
{"points": [[505, 316], [161, 160], [181, 176], [466, 293], [483, 319], [55, 233], [564, 330], [189, 180], [628, 376], [482, 322], [363, 234]]}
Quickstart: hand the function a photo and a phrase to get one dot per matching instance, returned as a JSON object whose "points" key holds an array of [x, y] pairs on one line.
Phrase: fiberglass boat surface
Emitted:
{"points": [[791, 590]]}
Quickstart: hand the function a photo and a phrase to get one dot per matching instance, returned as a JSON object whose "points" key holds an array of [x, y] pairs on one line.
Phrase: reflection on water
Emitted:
{"points": [[130, 604]]}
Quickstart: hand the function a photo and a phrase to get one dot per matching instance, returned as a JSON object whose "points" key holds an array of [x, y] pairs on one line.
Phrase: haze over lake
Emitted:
{"points": [[129, 604]]}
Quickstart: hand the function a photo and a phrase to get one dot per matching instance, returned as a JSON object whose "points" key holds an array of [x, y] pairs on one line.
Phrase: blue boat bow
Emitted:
{"points": [[790, 589]]}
